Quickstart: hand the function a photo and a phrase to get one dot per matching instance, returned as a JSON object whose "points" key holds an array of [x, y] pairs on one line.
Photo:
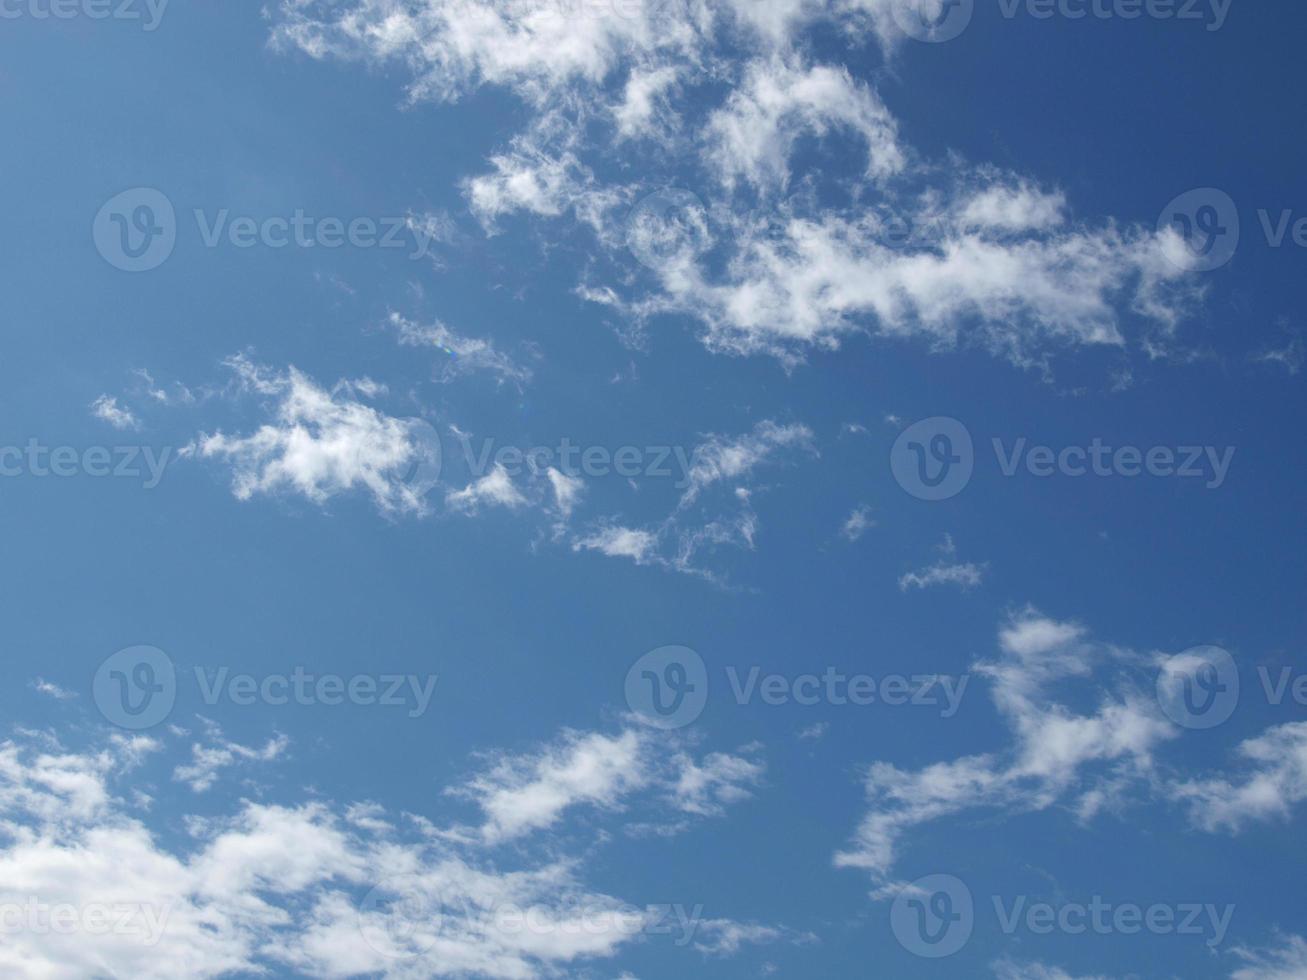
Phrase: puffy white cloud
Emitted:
{"points": [[1004, 266], [496, 489], [752, 134], [1055, 751], [325, 891], [524, 793], [1085, 761], [806, 280], [106, 409], [319, 444], [520, 794], [543, 181], [619, 542], [1278, 779]]}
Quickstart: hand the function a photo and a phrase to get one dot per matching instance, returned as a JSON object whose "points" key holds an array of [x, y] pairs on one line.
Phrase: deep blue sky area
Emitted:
{"points": [[797, 548]]}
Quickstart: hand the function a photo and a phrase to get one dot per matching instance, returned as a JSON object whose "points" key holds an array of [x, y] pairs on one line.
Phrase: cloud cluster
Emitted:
{"points": [[693, 528], [1088, 761], [724, 97], [311, 887], [319, 444], [520, 794]]}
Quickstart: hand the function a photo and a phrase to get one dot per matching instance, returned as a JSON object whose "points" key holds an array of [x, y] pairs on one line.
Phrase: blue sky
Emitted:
{"points": [[624, 490]]}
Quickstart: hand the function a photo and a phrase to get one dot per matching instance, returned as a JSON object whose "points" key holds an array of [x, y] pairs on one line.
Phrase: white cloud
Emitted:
{"points": [[723, 937], [568, 491], [753, 134], [465, 354], [318, 444], [1277, 760], [1005, 266], [721, 458], [52, 689], [207, 761], [810, 280], [496, 489], [1287, 961], [858, 523], [619, 542], [1055, 751], [542, 175], [1009, 970], [706, 790], [275, 887], [682, 539], [520, 794], [965, 575], [644, 110], [106, 409]]}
